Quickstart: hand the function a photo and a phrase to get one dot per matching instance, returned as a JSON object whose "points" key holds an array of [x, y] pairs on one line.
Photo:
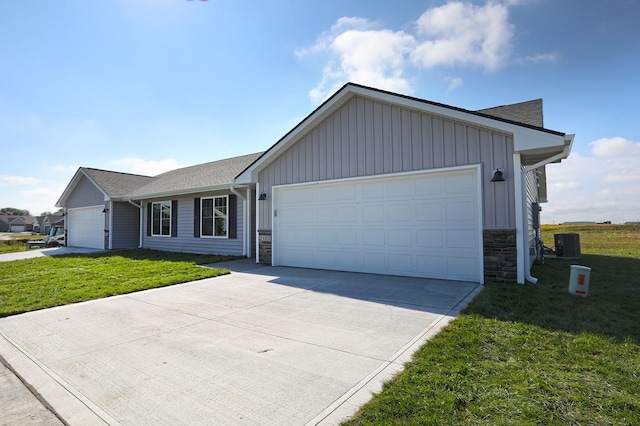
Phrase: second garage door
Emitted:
{"points": [[85, 227], [421, 225]]}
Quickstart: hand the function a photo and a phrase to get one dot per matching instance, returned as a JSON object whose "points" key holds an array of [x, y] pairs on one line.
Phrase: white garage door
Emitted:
{"points": [[421, 225], [85, 227], [17, 228]]}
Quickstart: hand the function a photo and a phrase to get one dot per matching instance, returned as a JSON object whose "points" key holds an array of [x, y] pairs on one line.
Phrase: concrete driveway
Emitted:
{"points": [[263, 345]]}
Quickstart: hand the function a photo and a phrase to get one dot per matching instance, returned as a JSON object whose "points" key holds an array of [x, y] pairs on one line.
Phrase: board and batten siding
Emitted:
{"points": [[125, 232], [185, 241], [366, 137], [85, 194]]}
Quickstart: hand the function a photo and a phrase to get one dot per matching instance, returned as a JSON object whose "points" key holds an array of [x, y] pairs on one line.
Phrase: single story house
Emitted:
{"points": [[15, 223], [43, 224], [370, 181]]}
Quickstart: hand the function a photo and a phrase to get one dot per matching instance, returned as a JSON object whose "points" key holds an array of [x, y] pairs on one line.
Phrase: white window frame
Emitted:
{"points": [[161, 203], [215, 215]]}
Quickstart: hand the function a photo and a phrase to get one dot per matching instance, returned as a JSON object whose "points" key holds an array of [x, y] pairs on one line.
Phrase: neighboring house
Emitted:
{"points": [[43, 224], [111, 210], [371, 181], [98, 213], [12, 223]]}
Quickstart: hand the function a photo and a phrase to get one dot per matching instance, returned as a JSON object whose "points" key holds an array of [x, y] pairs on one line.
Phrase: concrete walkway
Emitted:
{"points": [[53, 251], [263, 345]]}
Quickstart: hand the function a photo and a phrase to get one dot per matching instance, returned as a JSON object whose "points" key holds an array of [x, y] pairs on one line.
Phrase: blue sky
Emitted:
{"points": [[145, 86]]}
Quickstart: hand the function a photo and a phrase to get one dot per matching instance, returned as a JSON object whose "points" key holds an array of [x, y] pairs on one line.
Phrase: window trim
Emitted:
{"points": [[170, 204], [213, 198]]}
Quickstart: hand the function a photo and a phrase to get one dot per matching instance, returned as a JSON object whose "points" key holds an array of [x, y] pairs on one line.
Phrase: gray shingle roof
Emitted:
{"points": [[190, 179], [529, 112], [116, 184]]}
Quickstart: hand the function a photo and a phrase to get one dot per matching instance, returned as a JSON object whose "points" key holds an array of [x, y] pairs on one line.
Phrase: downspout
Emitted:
{"points": [[520, 198], [564, 154], [110, 219], [257, 201], [140, 221], [245, 214]]}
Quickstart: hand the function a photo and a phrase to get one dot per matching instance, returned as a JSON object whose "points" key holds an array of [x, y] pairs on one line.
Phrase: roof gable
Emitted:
{"points": [[116, 184], [110, 184], [527, 136]]}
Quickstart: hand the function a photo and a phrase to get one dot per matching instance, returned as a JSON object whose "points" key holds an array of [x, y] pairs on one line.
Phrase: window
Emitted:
{"points": [[161, 219], [214, 217]]}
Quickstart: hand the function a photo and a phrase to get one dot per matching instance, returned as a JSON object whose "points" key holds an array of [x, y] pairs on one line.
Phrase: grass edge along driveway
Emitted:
{"points": [[43, 282], [533, 354]]}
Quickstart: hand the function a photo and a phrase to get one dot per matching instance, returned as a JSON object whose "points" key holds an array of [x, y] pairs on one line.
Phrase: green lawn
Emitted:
{"points": [[533, 354], [30, 284]]}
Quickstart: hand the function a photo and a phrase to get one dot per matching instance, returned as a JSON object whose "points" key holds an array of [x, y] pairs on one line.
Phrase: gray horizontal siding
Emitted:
{"points": [[185, 241], [85, 194], [532, 197], [125, 232], [366, 137]]}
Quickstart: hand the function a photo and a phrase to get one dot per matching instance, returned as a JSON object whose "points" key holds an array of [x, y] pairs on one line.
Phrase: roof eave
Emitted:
{"points": [[177, 192]]}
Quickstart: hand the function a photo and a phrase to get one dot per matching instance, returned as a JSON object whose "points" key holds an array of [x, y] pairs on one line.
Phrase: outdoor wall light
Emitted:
{"points": [[263, 196], [105, 210], [498, 176]]}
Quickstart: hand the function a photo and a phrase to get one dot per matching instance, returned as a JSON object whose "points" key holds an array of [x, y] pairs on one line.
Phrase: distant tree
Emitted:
{"points": [[57, 212], [14, 212]]}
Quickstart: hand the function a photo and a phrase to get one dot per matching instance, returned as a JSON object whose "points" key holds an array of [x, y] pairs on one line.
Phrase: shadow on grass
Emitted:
{"points": [[612, 307], [156, 255]]}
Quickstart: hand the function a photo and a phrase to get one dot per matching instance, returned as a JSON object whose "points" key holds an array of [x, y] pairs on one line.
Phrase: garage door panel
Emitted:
{"points": [[461, 210], [431, 265], [346, 214], [428, 211], [461, 238], [400, 238], [400, 264], [430, 238], [399, 213], [412, 225], [428, 186], [348, 260], [462, 266]]}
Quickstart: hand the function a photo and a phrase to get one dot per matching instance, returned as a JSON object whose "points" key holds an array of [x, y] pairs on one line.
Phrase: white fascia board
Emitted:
{"points": [[525, 138]]}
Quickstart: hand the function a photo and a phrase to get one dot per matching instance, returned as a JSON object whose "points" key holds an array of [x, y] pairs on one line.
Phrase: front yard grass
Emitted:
{"points": [[533, 354], [43, 282]]}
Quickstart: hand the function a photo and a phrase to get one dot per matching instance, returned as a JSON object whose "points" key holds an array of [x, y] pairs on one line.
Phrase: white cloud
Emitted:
{"points": [[464, 34], [455, 34], [593, 188], [540, 57], [20, 180], [145, 167], [615, 147], [454, 83], [361, 54]]}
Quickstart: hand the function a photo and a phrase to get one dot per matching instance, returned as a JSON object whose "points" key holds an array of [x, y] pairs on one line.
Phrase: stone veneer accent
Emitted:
{"points": [[500, 255], [264, 246]]}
